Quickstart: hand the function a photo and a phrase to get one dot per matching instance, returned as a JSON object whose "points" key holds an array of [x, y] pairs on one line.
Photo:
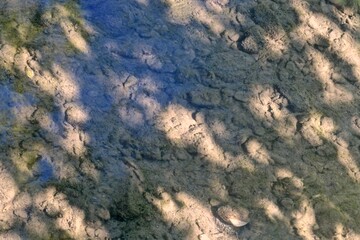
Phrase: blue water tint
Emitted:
{"points": [[10, 99], [44, 170], [105, 16]]}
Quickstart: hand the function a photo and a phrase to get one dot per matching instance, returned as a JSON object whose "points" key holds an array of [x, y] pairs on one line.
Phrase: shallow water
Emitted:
{"points": [[133, 119]]}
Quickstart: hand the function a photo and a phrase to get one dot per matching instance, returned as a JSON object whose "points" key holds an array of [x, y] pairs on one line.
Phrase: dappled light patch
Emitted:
{"points": [[76, 217], [190, 208], [333, 93], [219, 129], [74, 142], [272, 211], [132, 115], [210, 21], [7, 54], [347, 159], [8, 187], [75, 114], [74, 38], [318, 130], [150, 105], [355, 125], [68, 87], [136, 120], [257, 151], [46, 121], [143, 106], [71, 23], [211, 14], [271, 106], [185, 131], [341, 231], [179, 11], [304, 220]]}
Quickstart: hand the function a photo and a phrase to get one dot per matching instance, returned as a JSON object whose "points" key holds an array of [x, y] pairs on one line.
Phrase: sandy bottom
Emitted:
{"points": [[179, 119]]}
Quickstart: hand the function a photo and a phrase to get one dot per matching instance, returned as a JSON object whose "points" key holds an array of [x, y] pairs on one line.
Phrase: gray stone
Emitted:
{"points": [[249, 45], [287, 203]]}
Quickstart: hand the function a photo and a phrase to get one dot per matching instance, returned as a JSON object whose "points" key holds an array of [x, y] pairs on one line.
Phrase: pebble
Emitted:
{"points": [[241, 95], [232, 35], [249, 45], [130, 81], [29, 72], [21, 213], [205, 97], [287, 203], [203, 237], [103, 213], [235, 217], [214, 202]]}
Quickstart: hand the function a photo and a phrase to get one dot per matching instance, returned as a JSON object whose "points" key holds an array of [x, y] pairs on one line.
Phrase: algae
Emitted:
{"points": [[18, 33], [30, 158], [75, 17]]}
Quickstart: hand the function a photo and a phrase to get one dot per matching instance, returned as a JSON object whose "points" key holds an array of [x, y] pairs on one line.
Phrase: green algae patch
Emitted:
{"points": [[30, 158], [18, 32], [355, 4], [327, 216], [20, 129], [19, 86], [74, 16], [46, 104], [70, 49], [68, 187], [19, 160]]}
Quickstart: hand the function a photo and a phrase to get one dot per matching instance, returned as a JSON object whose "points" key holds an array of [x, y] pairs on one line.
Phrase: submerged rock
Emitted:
{"points": [[236, 217]]}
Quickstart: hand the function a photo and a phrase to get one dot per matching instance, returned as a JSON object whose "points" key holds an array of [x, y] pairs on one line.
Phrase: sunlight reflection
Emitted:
{"points": [[339, 231], [141, 93], [283, 173], [76, 217]]}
